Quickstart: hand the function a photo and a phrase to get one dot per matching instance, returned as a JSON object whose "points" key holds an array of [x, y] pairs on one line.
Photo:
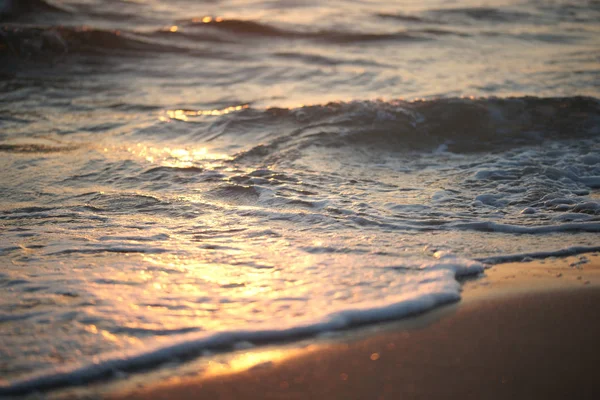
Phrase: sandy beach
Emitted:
{"points": [[524, 330]]}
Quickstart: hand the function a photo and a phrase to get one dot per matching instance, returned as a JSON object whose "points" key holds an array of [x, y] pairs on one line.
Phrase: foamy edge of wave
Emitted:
{"points": [[110, 365], [489, 226], [569, 251]]}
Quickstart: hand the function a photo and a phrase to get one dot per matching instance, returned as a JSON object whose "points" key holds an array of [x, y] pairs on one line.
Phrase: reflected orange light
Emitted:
{"points": [[109, 336], [91, 328], [178, 157], [248, 360], [183, 115], [207, 19], [174, 28]]}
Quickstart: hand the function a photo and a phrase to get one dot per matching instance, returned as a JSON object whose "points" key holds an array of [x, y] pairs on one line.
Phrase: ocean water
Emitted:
{"points": [[179, 176]]}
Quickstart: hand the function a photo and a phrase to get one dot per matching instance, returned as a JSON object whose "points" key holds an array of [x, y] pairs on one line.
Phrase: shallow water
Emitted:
{"points": [[184, 175]]}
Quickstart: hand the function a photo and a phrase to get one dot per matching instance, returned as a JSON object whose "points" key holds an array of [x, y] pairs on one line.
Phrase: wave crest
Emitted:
{"points": [[50, 42], [244, 28], [459, 124]]}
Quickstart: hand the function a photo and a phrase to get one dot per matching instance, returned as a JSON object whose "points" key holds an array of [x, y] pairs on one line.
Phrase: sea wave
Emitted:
{"points": [[27, 41], [34, 148], [192, 36], [37, 42], [243, 28], [458, 125], [541, 13], [486, 14]]}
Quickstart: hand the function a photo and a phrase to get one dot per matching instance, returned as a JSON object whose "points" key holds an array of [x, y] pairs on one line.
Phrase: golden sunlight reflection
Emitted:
{"points": [[183, 115], [120, 340], [178, 157], [253, 359], [179, 291], [207, 19]]}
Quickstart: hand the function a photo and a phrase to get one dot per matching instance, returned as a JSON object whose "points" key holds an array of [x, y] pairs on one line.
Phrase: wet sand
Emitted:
{"points": [[524, 331]]}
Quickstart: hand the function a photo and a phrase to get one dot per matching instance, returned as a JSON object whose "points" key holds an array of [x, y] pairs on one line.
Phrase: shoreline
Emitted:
{"points": [[523, 330]]}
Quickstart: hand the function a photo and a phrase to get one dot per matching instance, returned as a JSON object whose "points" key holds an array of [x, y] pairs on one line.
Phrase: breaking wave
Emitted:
{"points": [[458, 125]]}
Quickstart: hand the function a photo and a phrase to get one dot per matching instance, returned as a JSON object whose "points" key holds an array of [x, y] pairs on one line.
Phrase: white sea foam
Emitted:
{"points": [[569, 251]]}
